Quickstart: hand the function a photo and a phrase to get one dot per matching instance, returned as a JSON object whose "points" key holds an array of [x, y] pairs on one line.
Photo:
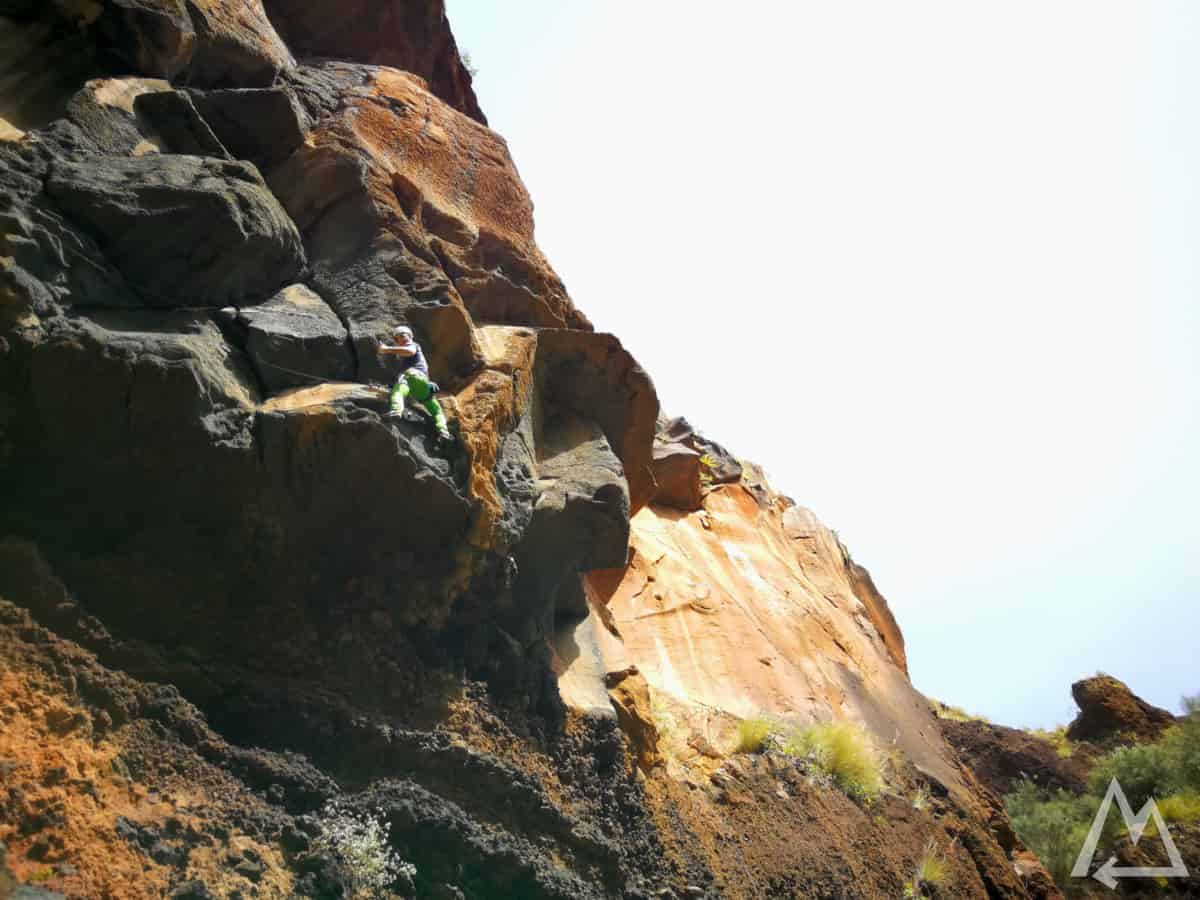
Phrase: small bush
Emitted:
{"points": [[932, 867], [1143, 770], [842, 752], [1052, 825], [752, 733], [1182, 808], [357, 843]]}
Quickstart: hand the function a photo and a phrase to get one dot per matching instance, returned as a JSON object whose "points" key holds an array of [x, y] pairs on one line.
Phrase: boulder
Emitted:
{"points": [[630, 696], [1110, 712], [677, 476], [184, 231], [295, 339], [724, 468], [593, 375], [205, 42], [262, 125], [174, 117]]}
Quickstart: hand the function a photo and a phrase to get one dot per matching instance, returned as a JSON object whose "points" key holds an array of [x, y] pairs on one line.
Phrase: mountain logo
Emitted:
{"points": [[1108, 873]]}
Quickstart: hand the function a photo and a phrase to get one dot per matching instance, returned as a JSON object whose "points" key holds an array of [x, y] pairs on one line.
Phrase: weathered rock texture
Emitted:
{"points": [[1110, 712], [203, 235]]}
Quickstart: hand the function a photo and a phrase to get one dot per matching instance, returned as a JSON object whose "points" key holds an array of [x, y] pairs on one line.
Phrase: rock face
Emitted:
{"points": [[183, 231], [1109, 711], [404, 34], [203, 234]]}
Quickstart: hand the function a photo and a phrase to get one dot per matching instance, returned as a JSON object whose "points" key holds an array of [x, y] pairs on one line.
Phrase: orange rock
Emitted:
{"points": [[759, 613], [406, 34], [630, 695]]}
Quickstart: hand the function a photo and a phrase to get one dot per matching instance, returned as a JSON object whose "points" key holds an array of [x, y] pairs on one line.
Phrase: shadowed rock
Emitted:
{"points": [[184, 231], [263, 125], [405, 34], [296, 340], [174, 117], [208, 42]]}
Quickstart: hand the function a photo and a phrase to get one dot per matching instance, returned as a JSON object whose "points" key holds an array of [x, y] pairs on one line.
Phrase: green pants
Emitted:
{"points": [[411, 381]]}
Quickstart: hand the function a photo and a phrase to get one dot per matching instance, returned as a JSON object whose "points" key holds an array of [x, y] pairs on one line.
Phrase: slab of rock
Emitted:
{"points": [[677, 475], [263, 125], [174, 117], [1109, 711], [184, 231], [295, 339]]}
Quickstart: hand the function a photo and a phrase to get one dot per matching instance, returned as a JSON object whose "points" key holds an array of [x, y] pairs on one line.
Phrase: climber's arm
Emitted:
{"points": [[398, 351]]}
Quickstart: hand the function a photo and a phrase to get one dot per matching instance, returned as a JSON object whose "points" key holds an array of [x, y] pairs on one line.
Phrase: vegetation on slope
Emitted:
{"points": [[1055, 824]]}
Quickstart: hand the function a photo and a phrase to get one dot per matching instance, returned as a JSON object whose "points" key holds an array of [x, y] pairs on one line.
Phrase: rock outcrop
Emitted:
{"points": [[1109, 711], [526, 651]]}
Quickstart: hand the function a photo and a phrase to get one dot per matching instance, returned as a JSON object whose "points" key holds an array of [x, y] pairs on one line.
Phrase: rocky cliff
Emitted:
{"points": [[234, 590]]}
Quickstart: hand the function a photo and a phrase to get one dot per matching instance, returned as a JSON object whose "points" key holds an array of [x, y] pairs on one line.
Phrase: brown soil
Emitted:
{"points": [[764, 829], [1002, 757]]}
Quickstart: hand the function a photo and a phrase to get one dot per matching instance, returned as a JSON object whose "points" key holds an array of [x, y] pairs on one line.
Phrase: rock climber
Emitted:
{"points": [[414, 379]]}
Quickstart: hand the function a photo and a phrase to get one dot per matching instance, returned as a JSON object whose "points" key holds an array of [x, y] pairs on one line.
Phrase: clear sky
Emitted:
{"points": [[951, 251]]}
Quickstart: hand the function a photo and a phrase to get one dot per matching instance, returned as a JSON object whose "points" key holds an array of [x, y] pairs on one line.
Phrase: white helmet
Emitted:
{"points": [[402, 331]]}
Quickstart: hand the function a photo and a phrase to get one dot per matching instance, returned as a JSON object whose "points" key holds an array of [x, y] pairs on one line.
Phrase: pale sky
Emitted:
{"points": [[934, 265]]}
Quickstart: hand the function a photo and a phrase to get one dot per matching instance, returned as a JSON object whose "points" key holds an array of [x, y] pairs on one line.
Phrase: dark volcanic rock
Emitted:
{"points": [[205, 42], [181, 127], [580, 521], [263, 125], [595, 377], [295, 339], [1109, 711], [184, 231]]}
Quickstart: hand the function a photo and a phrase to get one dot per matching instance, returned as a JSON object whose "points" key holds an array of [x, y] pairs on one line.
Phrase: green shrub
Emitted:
{"points": [[1183, 808], [1052, 825], [1182, 745], [1055, 825], [1144, 771], [842, 752], [752, 733], [932, 869]]}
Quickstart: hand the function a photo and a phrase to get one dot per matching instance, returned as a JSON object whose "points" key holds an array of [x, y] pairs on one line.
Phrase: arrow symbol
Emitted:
{"points": [[1105, 875], [1108, 873]]}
